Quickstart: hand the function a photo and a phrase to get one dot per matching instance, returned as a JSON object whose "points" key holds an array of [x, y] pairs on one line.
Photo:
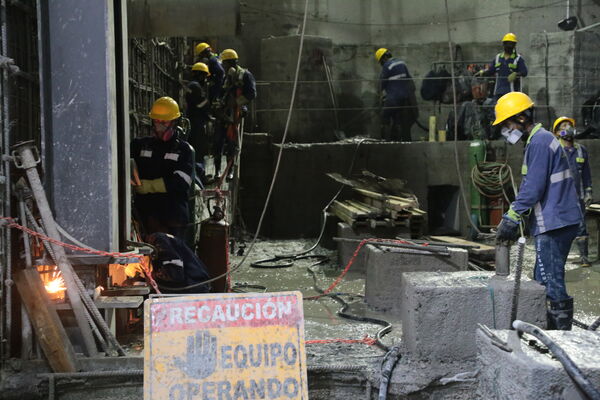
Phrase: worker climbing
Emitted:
{"points": [[548, 190], [198, 110], [398, 99], [508, 67], [239, 89], [204, 54], [564, 129], [165, 165]]}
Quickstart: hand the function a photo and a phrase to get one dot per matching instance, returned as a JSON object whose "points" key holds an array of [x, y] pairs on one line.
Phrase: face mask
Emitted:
{"points": [[512, 136], [567, 134], [164, 133]]}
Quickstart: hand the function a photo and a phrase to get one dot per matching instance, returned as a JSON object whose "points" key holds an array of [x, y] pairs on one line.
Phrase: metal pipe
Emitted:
{"points": [[571, 368], [6, 324], [383, 242], [26, 331], [25, 159], [502, 259], [91, 307], [517, 286]]}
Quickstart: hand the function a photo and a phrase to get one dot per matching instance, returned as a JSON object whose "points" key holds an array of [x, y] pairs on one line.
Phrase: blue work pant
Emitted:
{"points": [[551, 251]]}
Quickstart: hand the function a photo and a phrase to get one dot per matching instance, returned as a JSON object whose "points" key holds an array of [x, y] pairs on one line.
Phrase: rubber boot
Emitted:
{"points": [[582, 244], [560, 315]]}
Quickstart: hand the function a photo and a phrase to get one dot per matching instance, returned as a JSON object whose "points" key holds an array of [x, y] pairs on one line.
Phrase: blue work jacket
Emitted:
{"points": [[548, 187], [216, 78], [580, 164], [503, 67], [395, 80]]}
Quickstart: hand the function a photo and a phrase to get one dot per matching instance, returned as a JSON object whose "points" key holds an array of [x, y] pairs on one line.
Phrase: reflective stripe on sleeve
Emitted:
{"points": [[554, 145], [394, 64], [184, 176], [171, 156], [175, 261], [398, 76]]}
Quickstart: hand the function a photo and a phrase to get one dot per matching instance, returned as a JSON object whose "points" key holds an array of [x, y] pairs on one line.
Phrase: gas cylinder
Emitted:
{"points": [[213, 247]]}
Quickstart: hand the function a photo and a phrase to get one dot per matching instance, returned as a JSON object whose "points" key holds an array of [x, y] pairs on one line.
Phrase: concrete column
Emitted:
{"points": [[78, 76]]}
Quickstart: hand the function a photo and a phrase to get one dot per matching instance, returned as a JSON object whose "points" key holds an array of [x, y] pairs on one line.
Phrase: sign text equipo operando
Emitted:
{"points": [[214, 314], [260, 388]]}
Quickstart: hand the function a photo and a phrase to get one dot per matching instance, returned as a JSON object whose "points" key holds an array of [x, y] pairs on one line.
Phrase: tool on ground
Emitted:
{"points": [[213, 244]]}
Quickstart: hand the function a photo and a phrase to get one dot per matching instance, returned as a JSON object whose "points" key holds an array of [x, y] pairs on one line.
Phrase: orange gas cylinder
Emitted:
{"points": [[213, 249]]}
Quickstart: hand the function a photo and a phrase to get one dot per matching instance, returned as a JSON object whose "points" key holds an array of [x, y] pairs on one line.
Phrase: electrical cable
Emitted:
{"points": [[454, 101], [576, 374], [277, 164], [342, 312], [489, 178]]}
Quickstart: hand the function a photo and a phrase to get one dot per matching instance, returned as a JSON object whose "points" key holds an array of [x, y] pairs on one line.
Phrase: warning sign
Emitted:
{"points": [[225, 347]]}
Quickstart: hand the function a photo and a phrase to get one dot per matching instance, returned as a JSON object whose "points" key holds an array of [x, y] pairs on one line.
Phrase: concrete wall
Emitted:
{"points": [[303, 189]]}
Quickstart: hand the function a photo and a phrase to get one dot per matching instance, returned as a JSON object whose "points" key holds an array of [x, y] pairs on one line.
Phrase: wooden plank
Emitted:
{"points": [[483, 250], [49, 330]]}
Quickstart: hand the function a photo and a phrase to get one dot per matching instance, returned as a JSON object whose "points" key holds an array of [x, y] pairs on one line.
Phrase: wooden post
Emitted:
{"points": [[50, 332]]}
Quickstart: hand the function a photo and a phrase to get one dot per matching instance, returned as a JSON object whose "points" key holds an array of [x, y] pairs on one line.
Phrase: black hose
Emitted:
{"points": [[386, 326], [387, 367], [595, 325], [570, 367]]}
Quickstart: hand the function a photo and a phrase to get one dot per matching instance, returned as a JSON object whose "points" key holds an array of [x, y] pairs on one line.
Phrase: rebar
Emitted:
{"points": [[517, 286]]}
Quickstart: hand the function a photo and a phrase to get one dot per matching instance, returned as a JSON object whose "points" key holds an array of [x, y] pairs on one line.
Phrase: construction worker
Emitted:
{"points": [[397, 93], [165, 168], [239, 90], [204, 54], [548, 191], [198, 109], [508, 66], [176, 266], [564, 129]]}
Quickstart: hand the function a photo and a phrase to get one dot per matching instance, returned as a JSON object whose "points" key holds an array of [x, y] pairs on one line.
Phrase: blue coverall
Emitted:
{"points": [[216, 78], [241, 79], [198, 111], [548, 189], [173, 162], [176, 265], [502, 67], [580, 164], [397, 89]]}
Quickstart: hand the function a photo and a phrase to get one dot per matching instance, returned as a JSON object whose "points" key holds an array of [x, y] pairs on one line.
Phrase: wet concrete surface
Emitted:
{"points": [[322, 322]]}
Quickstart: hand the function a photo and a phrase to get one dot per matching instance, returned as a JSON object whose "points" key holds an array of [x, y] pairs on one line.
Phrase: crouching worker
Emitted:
{"points": [[176, 269]]}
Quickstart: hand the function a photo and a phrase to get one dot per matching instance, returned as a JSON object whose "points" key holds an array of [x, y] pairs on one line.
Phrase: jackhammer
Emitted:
{"points": [[503, 269]]}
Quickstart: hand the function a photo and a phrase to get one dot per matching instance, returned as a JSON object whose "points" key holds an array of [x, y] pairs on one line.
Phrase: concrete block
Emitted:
{"points": [[346, 249], [440, 310], [531, 375], [387, 265]]}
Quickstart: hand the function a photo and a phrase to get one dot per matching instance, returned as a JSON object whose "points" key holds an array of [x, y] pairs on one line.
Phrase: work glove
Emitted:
{"points": [[508, 228], [587, 197], [151, 186], [480, 72], [512, 77]]}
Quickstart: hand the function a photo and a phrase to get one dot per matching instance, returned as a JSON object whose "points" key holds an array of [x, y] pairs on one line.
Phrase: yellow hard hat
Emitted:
{"points": [[379, 53], [200, 47], [199, 66], [510, 37], [165, 109], [559, 120], [510, 105], [229, 54]]}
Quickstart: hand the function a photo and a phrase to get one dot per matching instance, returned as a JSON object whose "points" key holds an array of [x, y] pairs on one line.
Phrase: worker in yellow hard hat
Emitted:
{"points": [[239, 89], [564, 129], [548, 194], [205, 54], [398, 99], [198, 110], [508, 67], [165, 167]]}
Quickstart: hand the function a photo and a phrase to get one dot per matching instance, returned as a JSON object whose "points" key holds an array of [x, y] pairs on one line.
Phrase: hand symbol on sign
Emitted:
{"points": [[201, 356]]}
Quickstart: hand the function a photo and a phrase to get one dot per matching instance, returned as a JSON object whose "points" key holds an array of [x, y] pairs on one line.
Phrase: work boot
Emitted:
{"points": [[582, 244], [560, 315]]}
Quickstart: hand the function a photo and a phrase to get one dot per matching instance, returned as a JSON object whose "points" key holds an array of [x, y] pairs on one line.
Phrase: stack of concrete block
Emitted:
{"points": [[526, 373], [440, 310], [386, 267]]}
